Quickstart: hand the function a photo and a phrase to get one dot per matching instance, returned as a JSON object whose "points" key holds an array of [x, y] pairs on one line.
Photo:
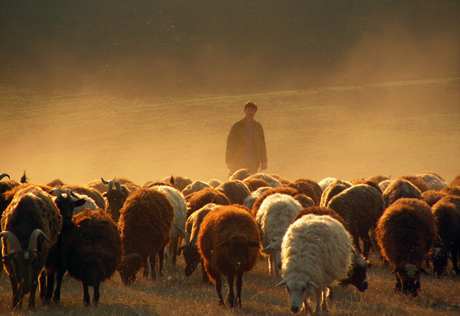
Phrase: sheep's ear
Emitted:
{"points": [[254, 244], [281, 283], [80, 202]]}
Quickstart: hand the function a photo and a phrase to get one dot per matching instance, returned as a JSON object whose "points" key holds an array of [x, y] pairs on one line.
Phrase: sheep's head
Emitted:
{"points": [[409, 275], [274, 249], [299, 290], [357, 273], [66, 204], [128, 268], [115, 197], [238, 249], [439, 260]]}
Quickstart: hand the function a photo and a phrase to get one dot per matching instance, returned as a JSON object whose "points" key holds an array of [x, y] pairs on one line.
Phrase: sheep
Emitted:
{"points": [[308, 187], [229, 243], [103, 186], [30, 227], [357, 274], [316, 252], [94, 194], [377, 179], [447, 244], [419, 183], [54, 263], [190, 249], [433, 180], [405, 234], [275, 215], [116, 198], [56, 183], [197, 200], [251, 199], [332, 190], [455, 182], [235, 190], [195, 186], [360, 206], [269, 178], [400, 188], [214, 183], [432, 196], [254, 184], [92, 250], [240, 174], [180, 182], [89, 203], [7, 185], [145, 224], [384, 184], [284, 190], [324, 183], [180, 216]]}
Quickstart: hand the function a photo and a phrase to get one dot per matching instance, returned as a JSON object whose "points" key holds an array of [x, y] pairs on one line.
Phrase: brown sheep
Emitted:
{"points": [[145, 225], [400, 188], [30, 227], [229, 243], [254, 184], [235, 190], [405, 234], [432, 196], [455, 182], [361, 207], [416, 181], [377, 179], [117, 197], [91, 250], [332, 190], [197, 200], [309, 188], [88, 191], [285, 190]]}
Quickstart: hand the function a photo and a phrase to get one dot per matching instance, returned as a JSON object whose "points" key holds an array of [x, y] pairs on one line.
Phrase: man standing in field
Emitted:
{"points": [[246, 143]]}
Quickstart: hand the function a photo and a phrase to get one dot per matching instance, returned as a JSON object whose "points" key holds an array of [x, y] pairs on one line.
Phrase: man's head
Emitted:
{"points": [[250, 105]]}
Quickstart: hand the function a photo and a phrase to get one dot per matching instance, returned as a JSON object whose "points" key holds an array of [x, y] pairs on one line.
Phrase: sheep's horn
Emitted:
{"points": [[103, 181], [110, 185], [281, 283], [313, 283], [57, 191], [118, 184], [34, 239], [186, 234], [266, 249], [69, 193], [4, 175], [15, 244]]}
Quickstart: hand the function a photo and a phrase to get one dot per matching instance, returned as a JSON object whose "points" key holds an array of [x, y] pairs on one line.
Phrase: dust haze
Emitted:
{"points": [[146, 89]]}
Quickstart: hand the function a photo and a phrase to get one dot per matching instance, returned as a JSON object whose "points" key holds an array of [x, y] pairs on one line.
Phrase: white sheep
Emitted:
{"points": [[316, 252], [433, 180], [275, 214]]}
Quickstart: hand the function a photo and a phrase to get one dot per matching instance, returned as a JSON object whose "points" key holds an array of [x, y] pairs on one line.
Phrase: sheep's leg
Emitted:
{"points": [[398, 286], [239, 285], [96, 295], [161, 256], [319, 301], [205, 274], [86, 296], [271, 264], [231, 294], [324, 303], [33, 289], [57, 292], [367, 244], [14, 287], [216, 276], [455, 253], [42, 280], [355, 239], [174, 247], [49, 285]]}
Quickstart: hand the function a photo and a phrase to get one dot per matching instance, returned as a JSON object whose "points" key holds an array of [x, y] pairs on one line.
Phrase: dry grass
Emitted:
{"points": [[176, 294]]}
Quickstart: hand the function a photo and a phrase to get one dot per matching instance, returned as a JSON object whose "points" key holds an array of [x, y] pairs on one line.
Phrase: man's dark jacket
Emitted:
{"points": [[236, 141]]}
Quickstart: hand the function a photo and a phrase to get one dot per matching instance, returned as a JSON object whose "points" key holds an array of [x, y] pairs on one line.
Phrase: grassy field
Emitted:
{"points": [[175, 294], [391, 128]]}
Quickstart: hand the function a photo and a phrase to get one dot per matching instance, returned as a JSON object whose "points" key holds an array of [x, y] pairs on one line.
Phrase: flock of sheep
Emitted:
{"points": [[315, 234]]}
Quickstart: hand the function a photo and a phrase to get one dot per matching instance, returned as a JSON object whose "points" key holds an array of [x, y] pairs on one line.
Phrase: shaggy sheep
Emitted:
{"points": [[195, 186], [229, 244], [400, 188], [377, 179], [324, 183], [274, 183], [433, 180], [332, 190], [361, 207], [431, 197], [56, 183], [284, 190], [357, 275], [94, 194], [190, 249], [103, 186], [251, 199], [419, 183], [180, 182], [384, 184], [145, 225], [447, 244], [316, 252], [275, 214], [235, 190], [240, 174], [254, 184], [197, 200], [308, 187], [30, 226], [214, 183], [455, 182], [91, 250], [405, 234], [89, 203], [180, 216]]}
